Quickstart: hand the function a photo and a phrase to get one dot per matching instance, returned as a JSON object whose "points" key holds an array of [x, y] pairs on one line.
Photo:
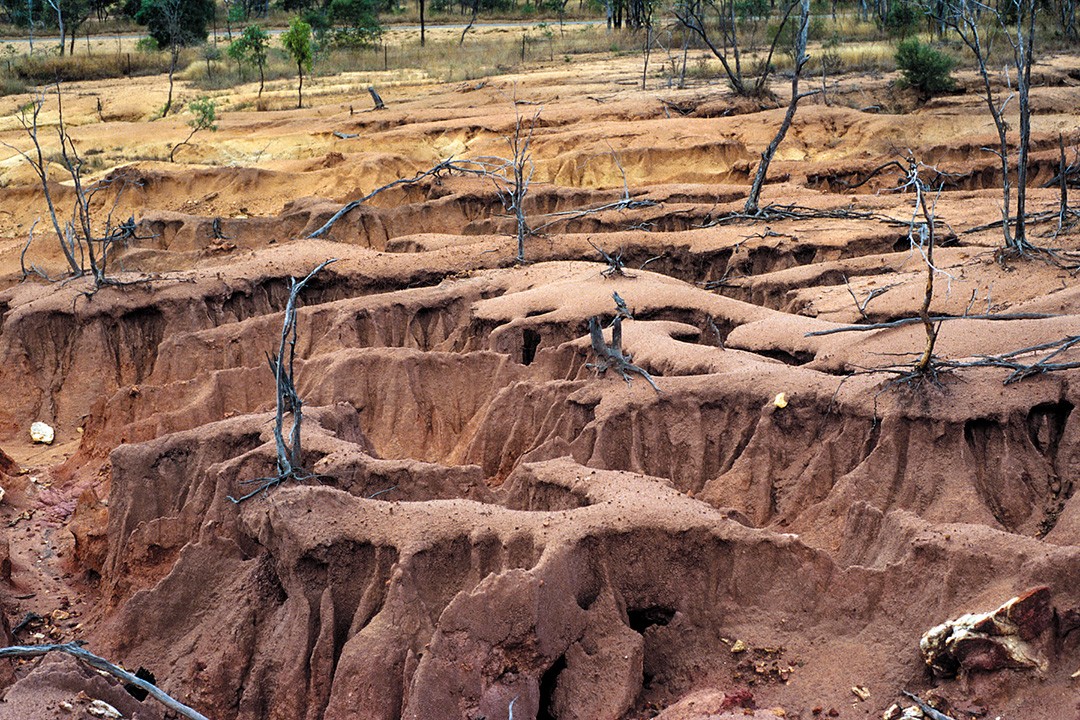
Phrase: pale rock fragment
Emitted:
{"points": [[102, 709], [993, 640], [42, 433]]}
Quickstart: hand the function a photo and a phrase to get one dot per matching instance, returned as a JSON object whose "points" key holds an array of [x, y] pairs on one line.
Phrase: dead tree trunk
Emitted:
{"points": [[379, 104], [925, 244], [290, 454], [1023, 51], [966, 20], [801, 58]]}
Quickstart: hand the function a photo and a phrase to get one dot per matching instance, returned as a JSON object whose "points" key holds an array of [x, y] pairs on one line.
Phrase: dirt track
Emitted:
{"points": [[493, 520]]}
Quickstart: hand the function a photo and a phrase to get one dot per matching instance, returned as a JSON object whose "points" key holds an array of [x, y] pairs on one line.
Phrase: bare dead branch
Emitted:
{"points": [[875, 292], [927, 710], [936, 319], [289, 454], [1021, 370], [615, 264], [608, 357], [100, 663], [446, 166]]}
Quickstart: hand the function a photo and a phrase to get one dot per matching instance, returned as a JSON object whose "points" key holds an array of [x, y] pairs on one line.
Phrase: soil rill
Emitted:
{"points": [[483, 522]]}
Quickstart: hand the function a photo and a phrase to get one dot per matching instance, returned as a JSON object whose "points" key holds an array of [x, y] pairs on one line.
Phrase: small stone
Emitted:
{"points": [[780, 401], [41, 433], [738, 647], [102, 709], [861, 692]]}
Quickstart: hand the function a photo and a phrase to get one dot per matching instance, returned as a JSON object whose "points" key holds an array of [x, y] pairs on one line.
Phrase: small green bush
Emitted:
{"points": [[924, 68]]}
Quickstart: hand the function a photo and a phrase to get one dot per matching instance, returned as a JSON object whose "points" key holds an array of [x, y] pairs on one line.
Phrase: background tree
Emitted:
{"points": [[251, 47], [715, 23], [356, 21], [801, 58], [175, 24], [1014, 20], [297, 42]]}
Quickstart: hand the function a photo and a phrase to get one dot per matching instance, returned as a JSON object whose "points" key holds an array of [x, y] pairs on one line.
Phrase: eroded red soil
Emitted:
{"points": [[492, 522]]}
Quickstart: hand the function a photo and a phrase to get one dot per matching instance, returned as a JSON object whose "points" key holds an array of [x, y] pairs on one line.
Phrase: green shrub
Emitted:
{"points": [[924, 68], [901, 19]]}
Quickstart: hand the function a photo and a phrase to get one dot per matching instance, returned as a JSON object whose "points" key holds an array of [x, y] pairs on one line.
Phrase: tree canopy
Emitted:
{"points": [[176, 22]]}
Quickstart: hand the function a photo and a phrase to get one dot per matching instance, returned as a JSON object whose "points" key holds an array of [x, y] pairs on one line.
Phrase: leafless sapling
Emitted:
{"points": [[290, 456], [925, 231]]}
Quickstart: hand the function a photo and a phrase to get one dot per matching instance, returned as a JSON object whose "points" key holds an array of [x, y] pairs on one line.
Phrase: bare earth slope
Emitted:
{"points": [[492, 525]]}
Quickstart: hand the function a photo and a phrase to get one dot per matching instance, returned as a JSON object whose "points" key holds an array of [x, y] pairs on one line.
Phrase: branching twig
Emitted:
{"points": [[99, 663], [615, 264], [448, 165], [875, 292], [1021, 370]]}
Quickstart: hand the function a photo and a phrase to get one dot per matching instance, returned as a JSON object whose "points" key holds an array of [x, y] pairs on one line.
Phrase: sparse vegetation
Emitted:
{"points": [[297, 42], [251, 48], [205, 118], [924, 68]]}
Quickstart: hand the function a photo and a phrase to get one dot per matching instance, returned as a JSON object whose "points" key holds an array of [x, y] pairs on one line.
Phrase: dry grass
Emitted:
{"points": [[443, 59]]}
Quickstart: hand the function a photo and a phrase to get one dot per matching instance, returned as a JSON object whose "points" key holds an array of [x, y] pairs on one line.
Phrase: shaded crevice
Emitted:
{"points": [[530, 341], [645, 618], [548, 683]]}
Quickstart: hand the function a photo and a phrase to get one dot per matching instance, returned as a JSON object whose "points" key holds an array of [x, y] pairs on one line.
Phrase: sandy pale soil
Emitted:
{"points": [[491, 522]]}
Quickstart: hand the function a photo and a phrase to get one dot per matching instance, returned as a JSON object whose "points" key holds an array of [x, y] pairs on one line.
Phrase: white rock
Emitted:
{"points": [[42, 433], [101, 709]]}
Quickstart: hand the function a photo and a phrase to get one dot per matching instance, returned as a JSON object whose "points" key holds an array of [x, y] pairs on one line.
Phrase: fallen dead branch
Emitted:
{"points": [[1021, 370], [935, 319], [875, 292], [100, 663], [799, 212], [927, 710], [446, 166]]}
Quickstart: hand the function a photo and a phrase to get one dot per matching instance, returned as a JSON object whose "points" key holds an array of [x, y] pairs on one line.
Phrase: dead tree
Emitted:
{"points": [[86, 248], [965, 17], [801, 58], [691, 14], [924, 229], [102, 665], [521, 169], [290, 456], [611, 357]]}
